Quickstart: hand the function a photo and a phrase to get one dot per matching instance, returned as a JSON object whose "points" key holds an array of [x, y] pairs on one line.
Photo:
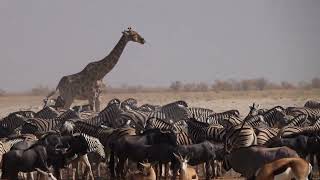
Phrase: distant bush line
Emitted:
{"points": [[258, 84]]}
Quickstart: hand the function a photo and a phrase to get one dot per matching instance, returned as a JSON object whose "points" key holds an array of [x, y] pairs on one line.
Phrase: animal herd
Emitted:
{"points": [[126, 140]]}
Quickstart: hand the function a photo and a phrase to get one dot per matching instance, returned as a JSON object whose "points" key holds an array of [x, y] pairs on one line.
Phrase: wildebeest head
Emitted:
{"points": [[313, 143]]}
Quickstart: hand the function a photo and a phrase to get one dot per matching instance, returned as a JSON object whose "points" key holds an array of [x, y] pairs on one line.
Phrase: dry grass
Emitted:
{"points": [[218, 101]]}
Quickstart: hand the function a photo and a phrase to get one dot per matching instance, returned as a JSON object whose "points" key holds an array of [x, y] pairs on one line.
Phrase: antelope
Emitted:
{"points": [[147, 174], [186, 173], [285, 169]]}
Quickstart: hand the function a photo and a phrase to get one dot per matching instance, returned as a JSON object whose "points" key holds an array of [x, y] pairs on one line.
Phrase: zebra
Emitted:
{"points": [[266, 135], [182, 136], [47, 113], [239, 136], [275, 117], [213, 118], [105, 117], [138, 119], [39, 126], [201, 114], [228, 122], [148, 108], [312, 113], [114, 101], [312, 104], [295, 130], [175, 111], [129, 103], [256, 121], [10, 123]]}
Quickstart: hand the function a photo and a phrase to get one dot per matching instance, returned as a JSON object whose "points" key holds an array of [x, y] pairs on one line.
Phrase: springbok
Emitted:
{"points": [[285, 169], [186, 173], [147, 174]]}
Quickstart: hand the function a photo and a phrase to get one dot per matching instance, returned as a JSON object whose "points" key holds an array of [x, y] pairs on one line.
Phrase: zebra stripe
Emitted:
{"points": [[275, 117], [47, 113], [93, 144], [201, 114], [266, 135], [213, 118], [37, 125], [240, 136], [312, 113]]}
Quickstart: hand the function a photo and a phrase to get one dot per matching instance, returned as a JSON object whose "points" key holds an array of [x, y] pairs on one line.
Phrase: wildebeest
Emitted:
{"points": [[248, 160], [38, 156], [203, 152], [132, 147]]}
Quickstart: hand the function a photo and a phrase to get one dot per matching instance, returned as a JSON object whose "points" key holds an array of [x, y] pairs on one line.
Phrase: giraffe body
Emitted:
{"points": [[86, 84]]}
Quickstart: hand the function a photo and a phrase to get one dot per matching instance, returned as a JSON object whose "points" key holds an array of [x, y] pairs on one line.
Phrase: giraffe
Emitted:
{"points": [[86, 84]]}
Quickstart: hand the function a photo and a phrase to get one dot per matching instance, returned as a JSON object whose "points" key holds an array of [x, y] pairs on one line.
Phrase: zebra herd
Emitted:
{"points": [[124, 131]]}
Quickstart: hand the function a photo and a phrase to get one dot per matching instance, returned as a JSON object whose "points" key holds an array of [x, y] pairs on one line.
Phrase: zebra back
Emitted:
{"points": [[312, 104], [47, 113], [201, 114]]}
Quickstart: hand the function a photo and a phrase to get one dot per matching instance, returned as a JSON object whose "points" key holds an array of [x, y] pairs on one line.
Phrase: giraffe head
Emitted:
{"points": [[133, 36]]}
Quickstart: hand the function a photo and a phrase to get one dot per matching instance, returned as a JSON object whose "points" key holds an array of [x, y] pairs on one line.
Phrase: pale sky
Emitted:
{"points": [[190, 41]]}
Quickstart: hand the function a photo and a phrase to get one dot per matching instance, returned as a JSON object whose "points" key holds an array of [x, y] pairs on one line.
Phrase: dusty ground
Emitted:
{"points": [[217, 101]]}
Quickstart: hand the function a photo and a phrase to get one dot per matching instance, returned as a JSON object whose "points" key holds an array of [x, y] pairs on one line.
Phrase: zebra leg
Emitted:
{"points": [[88, 169]]}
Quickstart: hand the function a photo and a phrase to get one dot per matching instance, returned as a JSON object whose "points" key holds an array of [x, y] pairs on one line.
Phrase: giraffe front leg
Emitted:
{"points": [[97, 104]]}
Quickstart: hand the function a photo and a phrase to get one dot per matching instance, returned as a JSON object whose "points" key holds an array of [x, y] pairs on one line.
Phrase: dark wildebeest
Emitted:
{"points": [[132, 146], [248, 160], [203, 152], [38, 156]]}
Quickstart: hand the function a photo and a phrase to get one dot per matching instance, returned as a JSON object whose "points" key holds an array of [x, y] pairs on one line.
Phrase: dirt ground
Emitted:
{"points": [[217, 101]]}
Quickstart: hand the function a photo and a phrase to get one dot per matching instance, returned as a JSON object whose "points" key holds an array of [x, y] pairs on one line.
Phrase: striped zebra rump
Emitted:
{"points": [[266, 135], [94, 144], [197, 130], [183, 138], [312, 104], [238, 136], [213, 133], [47, 113], [201, 114]]}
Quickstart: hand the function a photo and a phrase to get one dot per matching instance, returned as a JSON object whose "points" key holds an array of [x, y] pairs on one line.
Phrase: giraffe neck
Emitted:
{"points": [[107, 64]]}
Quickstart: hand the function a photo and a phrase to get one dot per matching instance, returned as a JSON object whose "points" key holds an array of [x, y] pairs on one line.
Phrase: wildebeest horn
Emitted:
{"points": [[178, 157]]}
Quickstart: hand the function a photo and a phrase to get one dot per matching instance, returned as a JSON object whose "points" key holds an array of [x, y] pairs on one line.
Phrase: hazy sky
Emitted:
{"points": [[191, 41]]}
